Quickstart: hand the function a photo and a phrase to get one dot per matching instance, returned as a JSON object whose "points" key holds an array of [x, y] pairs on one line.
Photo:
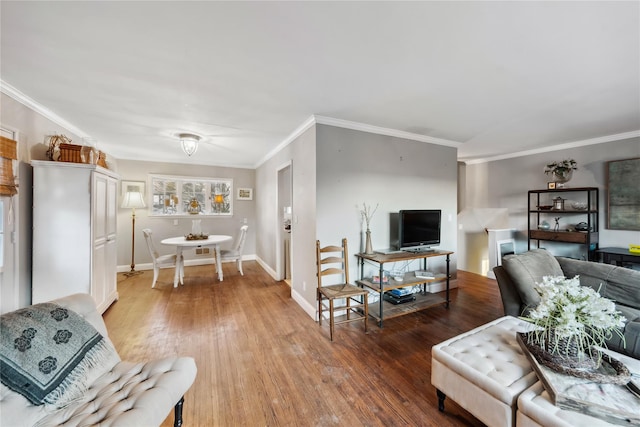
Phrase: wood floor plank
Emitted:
{"points": [[262, 361]]}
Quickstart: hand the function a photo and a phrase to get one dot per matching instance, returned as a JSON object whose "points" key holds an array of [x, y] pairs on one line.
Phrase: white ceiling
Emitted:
{"points": [[491, 78]]}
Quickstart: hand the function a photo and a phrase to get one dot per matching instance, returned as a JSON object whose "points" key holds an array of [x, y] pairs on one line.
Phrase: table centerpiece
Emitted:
{"points": [[571, 323]]}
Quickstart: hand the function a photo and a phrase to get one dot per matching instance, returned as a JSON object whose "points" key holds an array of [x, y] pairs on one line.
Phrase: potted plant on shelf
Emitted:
{"points": [[571, 323], [562, 171]]}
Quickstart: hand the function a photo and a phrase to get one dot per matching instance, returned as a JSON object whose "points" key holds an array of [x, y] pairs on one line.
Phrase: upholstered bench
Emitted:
{"points": [[122, 393], [484, 371]]}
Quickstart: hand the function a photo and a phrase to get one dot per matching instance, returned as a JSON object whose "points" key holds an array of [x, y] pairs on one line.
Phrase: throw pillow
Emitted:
{"points": [[527, 269]]}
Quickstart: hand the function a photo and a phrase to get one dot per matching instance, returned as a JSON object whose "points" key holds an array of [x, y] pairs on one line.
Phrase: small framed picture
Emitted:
{"points": [[245, 194], [136, 186], [551, 185]]}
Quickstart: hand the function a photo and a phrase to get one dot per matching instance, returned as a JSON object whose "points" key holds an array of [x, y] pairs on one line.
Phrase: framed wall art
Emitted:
{"points": [[623, 194], [245, 194]]}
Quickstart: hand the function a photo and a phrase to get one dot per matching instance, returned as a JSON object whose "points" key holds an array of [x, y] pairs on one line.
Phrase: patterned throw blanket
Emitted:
{"points": [[50, 354]]}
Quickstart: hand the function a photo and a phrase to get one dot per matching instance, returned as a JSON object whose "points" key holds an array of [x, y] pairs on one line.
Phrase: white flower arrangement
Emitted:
{"points": [[573, 312]]}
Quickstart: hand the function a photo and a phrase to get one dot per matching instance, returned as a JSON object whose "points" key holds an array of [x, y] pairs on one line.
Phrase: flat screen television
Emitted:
{"points": [[418, 229]]}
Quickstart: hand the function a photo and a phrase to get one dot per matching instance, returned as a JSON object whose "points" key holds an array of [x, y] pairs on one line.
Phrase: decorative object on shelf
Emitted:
{"points": [[571, 320], [545, 207], [582, 226], [70, 153], [132, 200], [53, 152], [102, 160], [557, 226], [194, 206], [189, 143], [544, 225], [551, 185], [579, 206], [558, 204], [623, 194], [367, 214], [562, 171]]}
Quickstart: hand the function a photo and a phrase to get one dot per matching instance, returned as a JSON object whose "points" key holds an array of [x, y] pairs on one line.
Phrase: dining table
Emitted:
{"points": [[182, 243]]}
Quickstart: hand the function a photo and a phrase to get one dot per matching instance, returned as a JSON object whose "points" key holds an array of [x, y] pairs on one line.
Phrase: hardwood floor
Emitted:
{"points": [[262, 361]]}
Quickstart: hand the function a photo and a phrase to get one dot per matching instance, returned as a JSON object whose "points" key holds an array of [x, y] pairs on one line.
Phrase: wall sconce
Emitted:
{"points": [[189, 143]]}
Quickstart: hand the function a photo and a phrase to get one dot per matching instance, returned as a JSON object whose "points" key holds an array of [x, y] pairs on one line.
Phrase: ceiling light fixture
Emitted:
{"points": [[189, 143]]}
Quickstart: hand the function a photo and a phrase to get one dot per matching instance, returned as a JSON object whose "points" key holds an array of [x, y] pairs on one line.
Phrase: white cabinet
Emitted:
{"points": [[74, 232]]}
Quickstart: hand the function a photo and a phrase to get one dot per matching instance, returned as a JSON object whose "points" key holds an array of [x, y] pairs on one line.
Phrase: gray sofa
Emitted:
{"points": [[519, 273]]}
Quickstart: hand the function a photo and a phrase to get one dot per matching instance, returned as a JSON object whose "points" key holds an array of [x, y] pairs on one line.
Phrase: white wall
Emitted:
{"points": [[505, 183], [31, 130], [133, 170], [300, 153]]}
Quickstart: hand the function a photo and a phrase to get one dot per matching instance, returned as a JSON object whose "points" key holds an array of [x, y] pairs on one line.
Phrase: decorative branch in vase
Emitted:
{"points": [[367, 214]]}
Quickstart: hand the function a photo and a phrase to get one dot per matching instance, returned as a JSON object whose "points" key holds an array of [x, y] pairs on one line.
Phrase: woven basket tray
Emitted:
{"points": [[70, 153]]}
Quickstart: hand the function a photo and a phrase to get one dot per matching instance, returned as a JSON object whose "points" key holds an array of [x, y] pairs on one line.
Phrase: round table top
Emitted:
{"points": [[182, 241]]}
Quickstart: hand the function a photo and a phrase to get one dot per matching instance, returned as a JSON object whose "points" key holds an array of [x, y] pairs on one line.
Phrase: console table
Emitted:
{"points": [[423, 299], [618, 256]]}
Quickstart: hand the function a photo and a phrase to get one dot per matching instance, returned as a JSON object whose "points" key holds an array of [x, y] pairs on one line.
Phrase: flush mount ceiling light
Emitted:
{"points": [[189, 143]]}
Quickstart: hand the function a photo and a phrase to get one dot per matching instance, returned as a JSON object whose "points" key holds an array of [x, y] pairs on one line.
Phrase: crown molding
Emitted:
{"points": [[574, 144], [14, 93], [302, 128], [385, 131]]}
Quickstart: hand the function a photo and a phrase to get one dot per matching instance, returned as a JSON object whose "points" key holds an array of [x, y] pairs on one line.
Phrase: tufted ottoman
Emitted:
{"points": [[484, 371]]}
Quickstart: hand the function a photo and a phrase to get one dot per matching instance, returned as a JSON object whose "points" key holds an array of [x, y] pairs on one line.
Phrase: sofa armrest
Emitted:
{"points": [[510, 299]]}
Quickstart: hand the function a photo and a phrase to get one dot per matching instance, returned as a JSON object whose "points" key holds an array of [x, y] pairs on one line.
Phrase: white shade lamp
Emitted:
{"points": [[133, 200]]}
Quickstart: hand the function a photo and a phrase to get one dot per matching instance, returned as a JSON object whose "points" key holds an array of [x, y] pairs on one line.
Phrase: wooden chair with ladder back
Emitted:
{"points": [[334, 261]]}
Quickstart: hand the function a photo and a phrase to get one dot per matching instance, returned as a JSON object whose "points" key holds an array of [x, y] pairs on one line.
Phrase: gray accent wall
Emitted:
{"points": [[357, 167], [505, 183]]}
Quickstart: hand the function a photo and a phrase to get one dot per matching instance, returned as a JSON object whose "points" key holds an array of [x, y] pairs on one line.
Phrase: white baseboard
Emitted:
{"points": [[187, 263]]}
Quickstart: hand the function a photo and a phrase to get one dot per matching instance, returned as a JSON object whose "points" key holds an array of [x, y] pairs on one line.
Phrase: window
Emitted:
{"points": [[181, 195]]}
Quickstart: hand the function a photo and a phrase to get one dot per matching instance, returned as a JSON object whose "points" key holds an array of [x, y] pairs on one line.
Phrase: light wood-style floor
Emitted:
{"points": [[262, 361]]}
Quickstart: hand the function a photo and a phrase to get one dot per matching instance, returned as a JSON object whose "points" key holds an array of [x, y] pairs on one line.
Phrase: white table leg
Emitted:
{"points": [[219, 263], [179, 266]]}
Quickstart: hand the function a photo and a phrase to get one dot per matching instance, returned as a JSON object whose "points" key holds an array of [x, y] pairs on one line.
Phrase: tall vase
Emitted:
{"points": [[367, 247]]}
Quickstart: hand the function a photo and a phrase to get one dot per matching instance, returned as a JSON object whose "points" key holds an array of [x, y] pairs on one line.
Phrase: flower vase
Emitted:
{"points": [[367, 247], [562, 176]]}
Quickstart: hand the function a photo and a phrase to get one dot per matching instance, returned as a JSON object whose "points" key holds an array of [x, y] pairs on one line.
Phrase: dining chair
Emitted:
{"points": [[162, 261], [235, 254], [334, 261]]}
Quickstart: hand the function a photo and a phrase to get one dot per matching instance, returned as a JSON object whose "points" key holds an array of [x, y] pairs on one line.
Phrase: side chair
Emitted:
{"points": [[334, 261], [235, 254], [162, 261]]}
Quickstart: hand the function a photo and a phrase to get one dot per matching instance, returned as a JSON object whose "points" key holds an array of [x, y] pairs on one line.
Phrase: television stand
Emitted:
{"points": [[423, 299]]}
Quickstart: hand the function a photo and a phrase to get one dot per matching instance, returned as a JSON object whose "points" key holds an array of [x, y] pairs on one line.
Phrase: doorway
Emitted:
{"points": [[284, 215]]}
